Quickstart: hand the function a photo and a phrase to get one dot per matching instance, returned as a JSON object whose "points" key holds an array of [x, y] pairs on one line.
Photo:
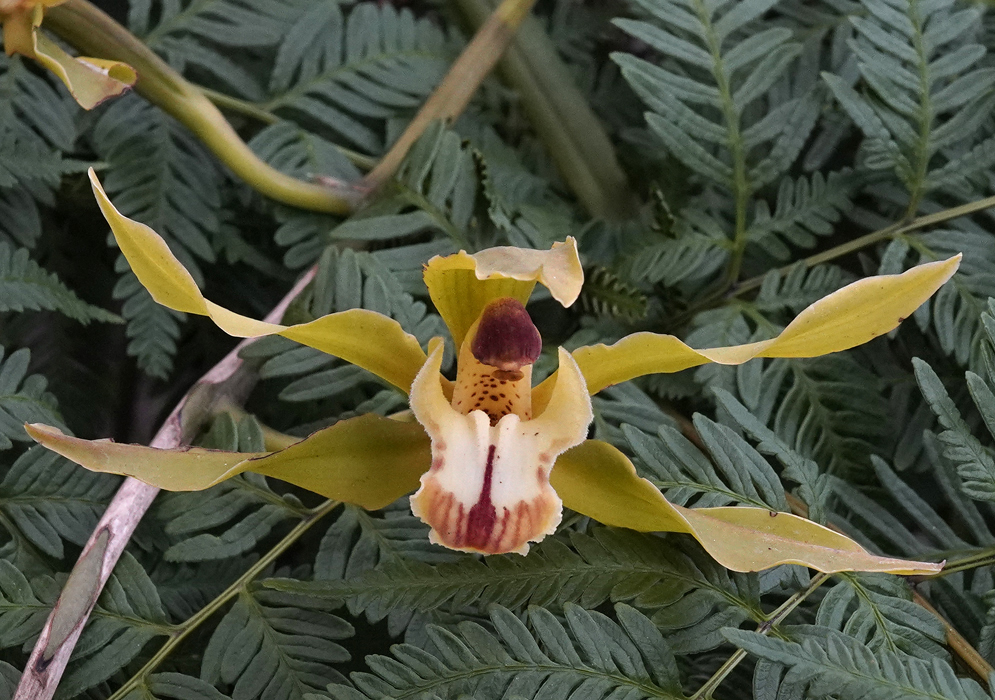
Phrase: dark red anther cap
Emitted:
{"points": [[506, 337]]}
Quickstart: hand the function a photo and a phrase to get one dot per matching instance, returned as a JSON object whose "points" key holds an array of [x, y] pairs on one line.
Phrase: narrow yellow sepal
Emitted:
{"points": [[461, 285], [844, 319], [370, 461], [597, 480], [364, 338]]}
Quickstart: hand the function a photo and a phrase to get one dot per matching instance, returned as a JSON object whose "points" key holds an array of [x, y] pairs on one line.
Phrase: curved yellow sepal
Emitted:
{"points": [[461, 285], [89, 80], [364, 338], [597, 480], [369, 461], [844, 319]]}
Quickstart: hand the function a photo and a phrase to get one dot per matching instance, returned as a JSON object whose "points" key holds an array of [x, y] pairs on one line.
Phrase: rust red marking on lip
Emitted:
{"points": [[483, 515], [506, 338]]}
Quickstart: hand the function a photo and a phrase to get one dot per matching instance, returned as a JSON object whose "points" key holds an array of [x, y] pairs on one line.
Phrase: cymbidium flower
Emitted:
{"points": [[90, 80], [492, 458]]}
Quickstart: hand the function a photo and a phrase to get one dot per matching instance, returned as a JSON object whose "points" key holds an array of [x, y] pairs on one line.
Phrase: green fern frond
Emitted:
{"points": [[23, 398], [590, 654], [46, 500], [733, 472], [975, 462], [800, 287], [833, 412], [814, 489], [925, 91], [604, 294], [26, 285], [830, 661], [611, 565], [436, 190], [20, 218], [176, 686], [878, 611], [226, 23], [954, 312], [806, 208], [720, 65], [277, 646], [698, 249], [228, 519], [347, 75]]}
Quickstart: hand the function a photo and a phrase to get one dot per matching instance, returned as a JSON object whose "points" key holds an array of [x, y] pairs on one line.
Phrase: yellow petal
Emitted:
{"points": [[90, 80], [461, 285], [846, 318], [370, 461], [364, 338], [597, 480], [488, 489]]}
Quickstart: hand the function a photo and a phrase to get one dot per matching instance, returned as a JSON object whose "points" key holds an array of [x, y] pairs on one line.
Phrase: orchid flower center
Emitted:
{"points": [[494, 370], [488, 488]]}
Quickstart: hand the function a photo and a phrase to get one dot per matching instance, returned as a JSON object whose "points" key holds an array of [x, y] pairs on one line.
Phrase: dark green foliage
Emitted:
{"points": [[275, 645], [591, 654], [829, 660], [26, 286], [23, 398], [777, 150]]}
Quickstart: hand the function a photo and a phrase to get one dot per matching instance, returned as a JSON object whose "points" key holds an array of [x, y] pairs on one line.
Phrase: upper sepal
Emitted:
{"points": [[461, 285], [365, 338]]}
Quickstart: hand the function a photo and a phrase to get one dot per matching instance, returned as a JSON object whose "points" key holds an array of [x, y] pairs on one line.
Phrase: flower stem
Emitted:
{"points": [[452, 95], [775, 618], [255, 111], [227, 383], [193, 622], [93, 32]]}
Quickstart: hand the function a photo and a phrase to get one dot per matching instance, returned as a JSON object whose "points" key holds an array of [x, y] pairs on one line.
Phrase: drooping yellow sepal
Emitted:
{"points": [[369, 461], [461, 285], [364, 338], [844, 319], [597, 480], [90, 80]]}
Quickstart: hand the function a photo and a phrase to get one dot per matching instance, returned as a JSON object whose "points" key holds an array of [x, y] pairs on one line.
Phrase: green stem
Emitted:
{"points": [[255, 111], [182, 631], [562, 118], [869, 239], [93, 32], [740, 186], [925, 116], [775, 618]]}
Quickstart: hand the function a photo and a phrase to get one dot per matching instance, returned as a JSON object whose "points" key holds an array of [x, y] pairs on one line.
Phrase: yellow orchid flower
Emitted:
{"points": [[90, 80], [493, 459]]}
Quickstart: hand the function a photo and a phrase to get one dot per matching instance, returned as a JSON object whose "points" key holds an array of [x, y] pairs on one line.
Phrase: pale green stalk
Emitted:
{"points": [[96, 34], [774, 619]]}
